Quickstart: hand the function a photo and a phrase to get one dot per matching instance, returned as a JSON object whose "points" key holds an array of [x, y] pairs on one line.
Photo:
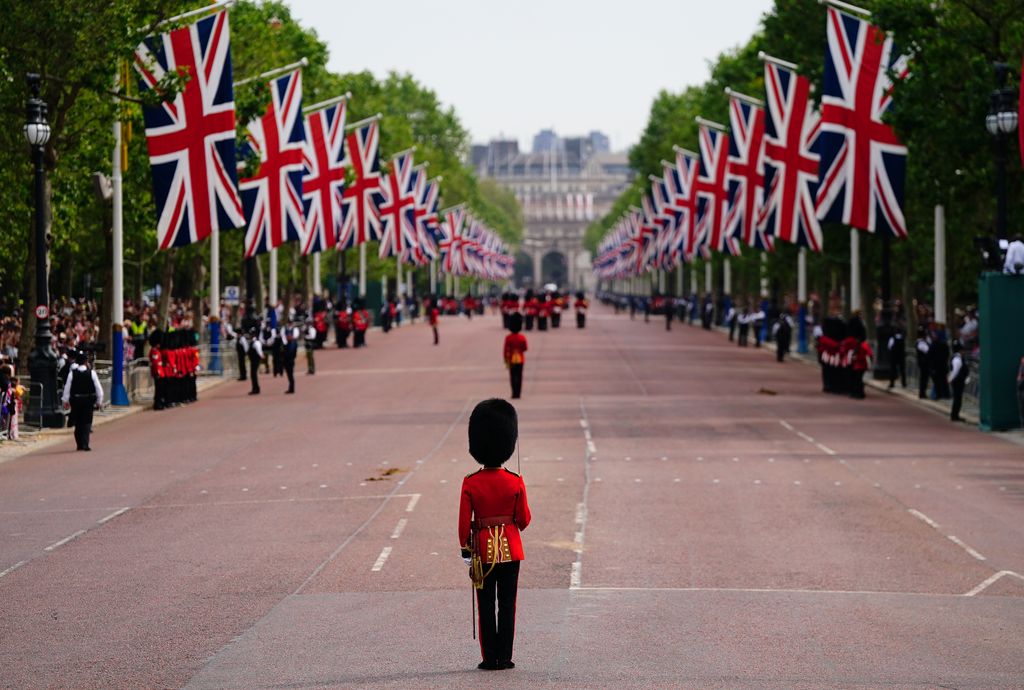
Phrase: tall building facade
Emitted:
{"points": [[563, 185]]}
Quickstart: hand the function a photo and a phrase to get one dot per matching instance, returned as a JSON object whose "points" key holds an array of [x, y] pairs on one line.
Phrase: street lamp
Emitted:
{"points": [[1001, 122], [42, 361]]}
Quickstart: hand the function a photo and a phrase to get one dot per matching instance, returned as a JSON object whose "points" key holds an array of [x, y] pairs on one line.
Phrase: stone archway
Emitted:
{"points": [[524, 270], [555, 269]]}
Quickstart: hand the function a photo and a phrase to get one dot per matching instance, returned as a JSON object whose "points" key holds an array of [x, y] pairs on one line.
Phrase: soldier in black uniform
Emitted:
{"points": [[956, 379], [255, 352], [291, 351], [82, 394], [897, 358]]}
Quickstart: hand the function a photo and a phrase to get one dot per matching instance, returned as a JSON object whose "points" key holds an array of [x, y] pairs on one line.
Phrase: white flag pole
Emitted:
{"points": [[362, 270], [940, 264], [433, 276], [854, 270], [273, 277], [317, 288]]}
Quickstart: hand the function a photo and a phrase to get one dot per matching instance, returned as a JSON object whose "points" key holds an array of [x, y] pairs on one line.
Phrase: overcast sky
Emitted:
{"points": [[511, 68]]}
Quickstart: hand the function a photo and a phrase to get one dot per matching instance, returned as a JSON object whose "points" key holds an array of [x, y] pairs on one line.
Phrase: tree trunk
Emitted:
{"points": [[259, 303], [166, 285]]}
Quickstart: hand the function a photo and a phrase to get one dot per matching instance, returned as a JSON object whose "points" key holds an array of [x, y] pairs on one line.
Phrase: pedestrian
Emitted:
{"points": [[254, 350], [921, 349], [434, 316], [493, 510], [731, 321], [310, 336], [861, 357], [897, 358], [581, 310], [360, 322], [669, 305], [708, 316], [782, 331], [1014, 261], [515, 354], [290, 353], [82, 395], [743, 321], [956, 378], [241, 348]]}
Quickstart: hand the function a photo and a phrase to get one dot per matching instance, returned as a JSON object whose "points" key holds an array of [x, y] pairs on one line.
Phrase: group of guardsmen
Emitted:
{"points": [[542, 309], [174, 364]]}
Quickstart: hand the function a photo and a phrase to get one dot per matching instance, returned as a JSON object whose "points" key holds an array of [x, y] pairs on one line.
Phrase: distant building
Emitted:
{"points": [[563, 185], [545, 140]]}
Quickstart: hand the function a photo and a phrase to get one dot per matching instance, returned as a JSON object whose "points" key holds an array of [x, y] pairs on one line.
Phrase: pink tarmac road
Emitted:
{"points": [[689, 530]]}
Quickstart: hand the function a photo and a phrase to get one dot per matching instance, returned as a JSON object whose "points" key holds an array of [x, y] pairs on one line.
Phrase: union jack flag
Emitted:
{"points": [[361, 219], [863, 164], [425, 217], [324, 181], [667, 218], [745, 174], [791, 164], [681, 180], [713, 190], [395, 203], [191, 140], [273, 196], [450, 240]]}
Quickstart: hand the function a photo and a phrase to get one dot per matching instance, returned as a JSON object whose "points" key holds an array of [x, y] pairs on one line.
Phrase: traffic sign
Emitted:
{"points": [[231, 294], [42, 311]]}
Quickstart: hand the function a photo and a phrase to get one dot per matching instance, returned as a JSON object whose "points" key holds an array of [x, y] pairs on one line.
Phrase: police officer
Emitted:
{"points": [[897, 361], [254, 349], [922, 348], [957, 377], [310, 335], [82, 395]]}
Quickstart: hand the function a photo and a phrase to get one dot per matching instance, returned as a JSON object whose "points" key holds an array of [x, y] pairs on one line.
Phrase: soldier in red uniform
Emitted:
{"points": [[342, 325], [360, 322], [515, 353], [492, 511], [156, 369], [530, 306], [581, 310], [434, 313]]}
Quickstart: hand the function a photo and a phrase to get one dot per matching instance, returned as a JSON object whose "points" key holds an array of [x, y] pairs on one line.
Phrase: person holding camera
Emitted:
{"points": [[82, 395]]}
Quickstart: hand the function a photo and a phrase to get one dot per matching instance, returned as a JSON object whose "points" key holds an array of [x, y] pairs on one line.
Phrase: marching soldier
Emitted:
{"points": [[581, 310], [342, 324], [530, 306], [310, 346], [515, 353], [433, 315], [82, 395], [493, 510], [360, 322]]}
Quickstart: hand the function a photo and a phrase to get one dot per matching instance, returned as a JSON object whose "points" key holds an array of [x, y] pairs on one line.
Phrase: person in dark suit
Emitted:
{"points": [[289, 353]]}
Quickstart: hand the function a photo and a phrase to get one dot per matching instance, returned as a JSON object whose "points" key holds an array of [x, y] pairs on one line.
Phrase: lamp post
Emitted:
{"points": [[1001, 122], [42, 361]]}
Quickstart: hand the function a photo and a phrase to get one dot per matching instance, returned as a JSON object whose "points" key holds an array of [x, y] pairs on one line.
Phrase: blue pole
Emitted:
{"points": [[118, 393], [215, 364], [801, 342]]}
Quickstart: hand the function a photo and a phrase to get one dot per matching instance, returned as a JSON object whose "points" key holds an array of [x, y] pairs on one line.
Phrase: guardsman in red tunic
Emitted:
{"points": [[492, 512], [360, 322], [515, 353], [434, 314], [531, 305], [581, 310], [156, 369]]}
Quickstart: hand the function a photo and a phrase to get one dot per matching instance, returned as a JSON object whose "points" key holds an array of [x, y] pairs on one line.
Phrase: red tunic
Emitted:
{"points": [[515, 348], [494, 493]]}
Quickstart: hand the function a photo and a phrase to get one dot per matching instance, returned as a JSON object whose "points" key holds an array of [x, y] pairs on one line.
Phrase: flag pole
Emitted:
{"points": [[364, 121], [362, 270], [277, 71], [327, 104], [854, 270], [765, 57], [273, 278], [118, 394], [846, 6], [316, 274], [222, 5], [743, 97], [801, 297], [433, 276], [710, 123]]}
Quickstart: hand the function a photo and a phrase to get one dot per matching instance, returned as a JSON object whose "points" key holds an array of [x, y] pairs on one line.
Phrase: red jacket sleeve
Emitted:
{"points": [[522, 512], [465, 513]]}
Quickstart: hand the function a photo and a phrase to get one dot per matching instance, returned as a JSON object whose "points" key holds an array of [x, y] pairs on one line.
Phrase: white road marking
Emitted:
{"points": [[323, 486], [805, 437], [825, 449], [984, 585], [663, 458], [771, 459], [735, 459], [921, 516], [399, 528], [822, 592], [786, 424], [413, 500], [582, 507], [574, 577], [13, 568], [579, 513], [560, 479], [637, 480], [591, 447], [381, 559], [64, 541], [677, 480], [796, 482], [757, 481], [444, 481], [584, 423], [965, 547], [120, 511], [714, 481], [578, 538]]}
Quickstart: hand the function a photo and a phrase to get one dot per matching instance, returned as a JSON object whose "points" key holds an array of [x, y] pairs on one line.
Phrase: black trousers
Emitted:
{"points": [[958, 399], [437, 337], [81, 417], [341, 337], [668, 319], [556, 320], [359, 338], [289, 371], [529, 322], [922, 377], [241, 361], [515, 374], [741, 340], [498, 633], [581, 319], [254, 371], [897, 368], [781, 347]]}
